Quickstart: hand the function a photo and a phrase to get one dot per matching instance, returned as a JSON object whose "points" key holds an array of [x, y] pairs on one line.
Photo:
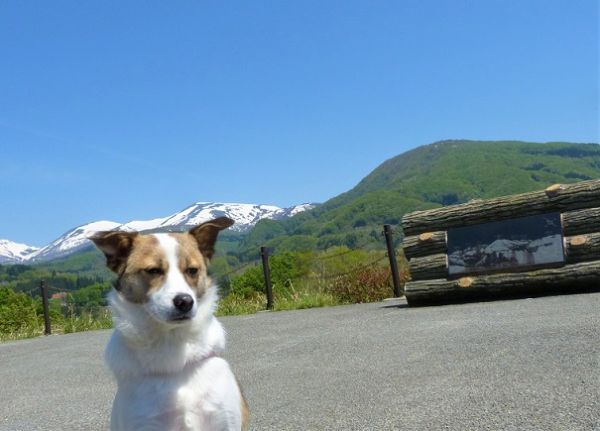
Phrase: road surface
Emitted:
{"points": [[526, 364]]}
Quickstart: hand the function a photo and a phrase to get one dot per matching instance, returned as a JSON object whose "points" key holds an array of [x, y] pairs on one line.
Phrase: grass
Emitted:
{"points": [[316, 293], [64, 325], [86, 322], [292, 299], [355, 283], [305, 280], [22, 333], [231, 305]]}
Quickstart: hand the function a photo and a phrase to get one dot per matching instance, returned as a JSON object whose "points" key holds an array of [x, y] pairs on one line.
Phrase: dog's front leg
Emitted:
{"points": [[224, 420]]}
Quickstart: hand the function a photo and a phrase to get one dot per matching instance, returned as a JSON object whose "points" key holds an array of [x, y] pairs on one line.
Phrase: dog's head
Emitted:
{"points": [[166, 274]]}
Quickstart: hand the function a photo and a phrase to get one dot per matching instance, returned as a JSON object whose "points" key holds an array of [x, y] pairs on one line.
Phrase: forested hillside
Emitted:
{"points": [[443, 173]]}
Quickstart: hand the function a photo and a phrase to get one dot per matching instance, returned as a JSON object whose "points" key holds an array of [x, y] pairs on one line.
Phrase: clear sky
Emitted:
{"points": [[121, 110]]}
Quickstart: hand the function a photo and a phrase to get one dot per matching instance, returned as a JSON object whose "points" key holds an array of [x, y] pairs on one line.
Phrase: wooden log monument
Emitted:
{"points": [[426, 245]]}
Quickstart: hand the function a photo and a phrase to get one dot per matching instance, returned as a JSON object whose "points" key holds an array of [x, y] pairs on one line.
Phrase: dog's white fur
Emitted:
{"points": [[169, 375]]}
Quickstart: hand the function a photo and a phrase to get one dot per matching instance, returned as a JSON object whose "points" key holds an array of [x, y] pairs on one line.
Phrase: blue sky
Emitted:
{"points": [[122, 110]]}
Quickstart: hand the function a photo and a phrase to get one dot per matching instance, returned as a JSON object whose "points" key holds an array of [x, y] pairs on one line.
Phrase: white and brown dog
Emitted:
{"points": [[165, 349]]}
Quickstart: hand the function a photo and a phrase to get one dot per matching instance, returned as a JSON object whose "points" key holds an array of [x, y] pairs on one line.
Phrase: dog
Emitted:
{"points": [[166, 346]]}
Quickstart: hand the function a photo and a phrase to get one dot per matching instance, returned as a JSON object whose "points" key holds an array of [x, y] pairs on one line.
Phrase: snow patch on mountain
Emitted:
{"points": [[14, 252], [244, 215], [290, 212], [72, 241], [142, 225]]}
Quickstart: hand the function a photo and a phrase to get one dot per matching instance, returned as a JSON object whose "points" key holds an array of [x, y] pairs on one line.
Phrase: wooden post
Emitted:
{"points": [[44, 292], [264, 253], [389, 240]]}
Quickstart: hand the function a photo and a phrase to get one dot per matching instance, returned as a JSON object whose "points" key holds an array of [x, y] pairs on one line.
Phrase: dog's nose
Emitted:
{"points": [[183, 302]]}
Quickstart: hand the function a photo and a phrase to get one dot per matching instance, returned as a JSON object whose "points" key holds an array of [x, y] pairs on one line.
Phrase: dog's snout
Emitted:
{"points": [[183, 302]]}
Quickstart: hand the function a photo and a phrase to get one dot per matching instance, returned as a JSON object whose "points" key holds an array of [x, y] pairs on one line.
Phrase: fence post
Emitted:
{"points": [[387, 231], [264, 253], [44, 291]]}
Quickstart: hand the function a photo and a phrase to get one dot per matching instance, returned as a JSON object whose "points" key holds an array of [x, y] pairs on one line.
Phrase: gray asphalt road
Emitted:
{"points": [[528, 364]]}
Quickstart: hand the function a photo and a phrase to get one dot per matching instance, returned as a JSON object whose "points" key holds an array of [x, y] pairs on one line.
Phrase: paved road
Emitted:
{"points": [[528, 364]]}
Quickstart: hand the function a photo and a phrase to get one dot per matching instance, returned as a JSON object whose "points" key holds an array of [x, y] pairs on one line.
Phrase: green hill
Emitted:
{"points": [[442, 173]]}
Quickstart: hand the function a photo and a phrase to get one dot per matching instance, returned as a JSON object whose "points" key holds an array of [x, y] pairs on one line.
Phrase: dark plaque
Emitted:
{"points": [[503, 246]]}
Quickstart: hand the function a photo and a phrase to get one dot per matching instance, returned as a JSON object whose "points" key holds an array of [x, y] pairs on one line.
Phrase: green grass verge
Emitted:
{"points": [[63, 325]]}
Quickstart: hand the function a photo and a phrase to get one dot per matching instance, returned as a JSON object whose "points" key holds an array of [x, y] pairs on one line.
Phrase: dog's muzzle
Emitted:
{"points": [[183, 304]]}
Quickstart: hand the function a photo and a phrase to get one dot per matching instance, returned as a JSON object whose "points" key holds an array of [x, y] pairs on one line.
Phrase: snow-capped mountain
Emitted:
{"points": [[13, 251], [70, 242], [244, 215]]}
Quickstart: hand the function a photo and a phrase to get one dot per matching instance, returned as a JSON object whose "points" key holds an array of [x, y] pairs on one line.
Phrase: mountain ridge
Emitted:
{"points": [[438, 174], [434, 175], [245, 216]]}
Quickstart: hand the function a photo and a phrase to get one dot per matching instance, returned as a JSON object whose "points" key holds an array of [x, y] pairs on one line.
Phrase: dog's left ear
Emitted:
{"points": [[206, 234]]}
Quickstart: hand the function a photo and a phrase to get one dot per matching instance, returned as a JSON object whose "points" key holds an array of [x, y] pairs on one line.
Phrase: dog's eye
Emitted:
{"points": [[154, 271], [192, 271]]}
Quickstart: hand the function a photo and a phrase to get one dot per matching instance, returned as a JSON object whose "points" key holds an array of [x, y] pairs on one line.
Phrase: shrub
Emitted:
{"points": [[285, 268], [17, 312], [247, 284], [88, 299], [365, 285]]}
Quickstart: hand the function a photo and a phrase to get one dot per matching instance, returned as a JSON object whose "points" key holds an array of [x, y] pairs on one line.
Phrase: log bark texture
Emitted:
{"points": [[574, 223], [581, 248], [415, 246], [429, 267], [581, 221], [567, 197], [565, 279]]}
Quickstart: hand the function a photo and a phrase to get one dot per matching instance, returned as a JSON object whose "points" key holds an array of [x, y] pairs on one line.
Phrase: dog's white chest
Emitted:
{"points": [[204, 398], [174, 384]]}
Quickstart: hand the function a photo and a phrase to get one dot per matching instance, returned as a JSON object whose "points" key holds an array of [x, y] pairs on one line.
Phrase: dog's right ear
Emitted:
{"points": [[116, 246]]}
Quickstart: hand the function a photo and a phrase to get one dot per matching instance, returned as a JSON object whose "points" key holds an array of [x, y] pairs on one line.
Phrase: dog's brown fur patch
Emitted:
{"points": [[116, 246], [135, 283], [245, 410], [245, 413], [191, 257]]}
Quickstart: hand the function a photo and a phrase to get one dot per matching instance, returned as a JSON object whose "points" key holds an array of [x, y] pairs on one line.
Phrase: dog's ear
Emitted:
{"points": [[116, 246], [206, 234]]}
